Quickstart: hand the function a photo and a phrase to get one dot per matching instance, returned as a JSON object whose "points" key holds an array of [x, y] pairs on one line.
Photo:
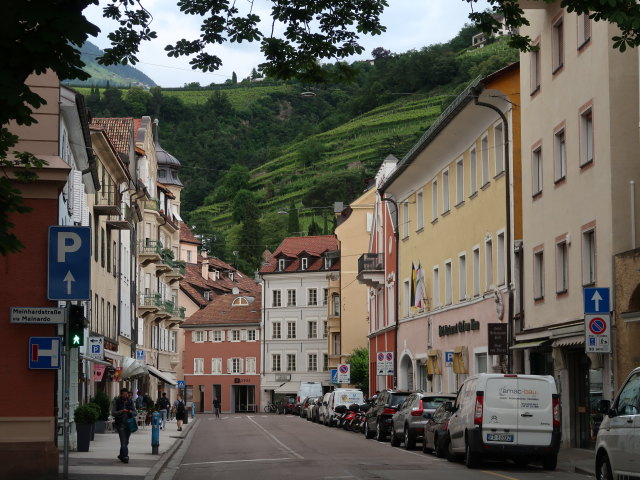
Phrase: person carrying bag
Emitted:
{"points": [[124, 415]]}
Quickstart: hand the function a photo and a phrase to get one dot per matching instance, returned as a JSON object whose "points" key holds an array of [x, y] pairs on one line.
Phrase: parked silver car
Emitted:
{"points": [[618, 440], [409, 421]]}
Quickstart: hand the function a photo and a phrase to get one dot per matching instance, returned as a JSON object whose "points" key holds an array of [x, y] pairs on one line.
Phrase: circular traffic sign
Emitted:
{"points": [[597, 326], [344, 369], [380, 356], [389, 356]]}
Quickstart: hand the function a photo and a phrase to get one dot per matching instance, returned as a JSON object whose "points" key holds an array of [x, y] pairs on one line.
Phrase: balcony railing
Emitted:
{"points": [[151, 301], [107, 200], [371, 262], [371, 269], [120, 222], [149, 251], [152, 204]]}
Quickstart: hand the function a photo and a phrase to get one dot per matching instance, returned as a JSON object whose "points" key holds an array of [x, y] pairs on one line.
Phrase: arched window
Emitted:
{"points": [[240, 301]]}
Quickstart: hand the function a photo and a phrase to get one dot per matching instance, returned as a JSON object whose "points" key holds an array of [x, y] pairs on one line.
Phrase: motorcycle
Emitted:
{"points": [[350, 416], [357, 424]]}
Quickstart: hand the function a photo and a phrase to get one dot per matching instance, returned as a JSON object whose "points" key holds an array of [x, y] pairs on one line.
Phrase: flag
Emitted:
{"points": [[419, 301], [413, 285]]}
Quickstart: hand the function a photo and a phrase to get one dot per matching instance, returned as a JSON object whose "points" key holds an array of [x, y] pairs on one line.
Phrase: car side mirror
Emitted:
{"points": [[448, 407], [604, 406]]}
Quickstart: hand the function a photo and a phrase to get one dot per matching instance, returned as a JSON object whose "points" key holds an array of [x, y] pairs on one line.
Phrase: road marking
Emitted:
{"points": [[273, 437], [498, 474], [236, 461]]}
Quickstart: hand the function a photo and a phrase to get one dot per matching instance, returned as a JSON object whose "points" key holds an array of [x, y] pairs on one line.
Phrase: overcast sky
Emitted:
{"points": [[411, 24]]}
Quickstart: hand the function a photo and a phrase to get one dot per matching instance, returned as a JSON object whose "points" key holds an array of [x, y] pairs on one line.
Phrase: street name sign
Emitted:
{"points": [[37, 315], [44, 353], [597, 330], [69, 263], [596, 300]]}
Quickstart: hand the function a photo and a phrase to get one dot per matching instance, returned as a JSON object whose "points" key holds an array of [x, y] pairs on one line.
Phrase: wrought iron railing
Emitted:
{"points": [[371, 262]]}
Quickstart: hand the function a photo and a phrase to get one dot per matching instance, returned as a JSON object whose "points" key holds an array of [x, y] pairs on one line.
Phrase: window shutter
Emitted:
{"points": [[222, 335], [257, 334], [243, 335], [77, 194], [229, 365], [193, 336], [211, 335], [241, 365]]}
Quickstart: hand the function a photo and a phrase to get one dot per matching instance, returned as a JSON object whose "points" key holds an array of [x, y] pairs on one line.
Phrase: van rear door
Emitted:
{"points": [[535, 410], [500, 410]]}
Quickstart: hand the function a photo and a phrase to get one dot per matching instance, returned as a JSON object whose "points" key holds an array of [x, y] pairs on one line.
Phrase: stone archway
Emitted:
{"points": [[405, 373]]}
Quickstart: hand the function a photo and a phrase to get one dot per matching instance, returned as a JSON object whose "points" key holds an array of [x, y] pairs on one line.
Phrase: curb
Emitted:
{"points": [[167, 456]]}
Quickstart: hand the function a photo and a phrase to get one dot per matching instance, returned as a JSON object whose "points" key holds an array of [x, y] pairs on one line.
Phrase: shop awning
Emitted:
{"points": [[132, 368], [532, 344], [289, 387], [94, 360], [166, 377], [569, 341]]}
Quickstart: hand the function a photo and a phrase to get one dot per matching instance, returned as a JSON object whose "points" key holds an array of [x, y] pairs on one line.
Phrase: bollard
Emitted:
{"points": [[186, 415], [155, 432], [193, 410]]}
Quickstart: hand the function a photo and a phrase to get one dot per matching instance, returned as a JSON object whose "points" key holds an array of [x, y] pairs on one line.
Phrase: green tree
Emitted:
{"points": [[293, 225], [137, 102], [359, 367], [234, 78], [273, 226], [314, 228], [311, 152], [244, 206]]}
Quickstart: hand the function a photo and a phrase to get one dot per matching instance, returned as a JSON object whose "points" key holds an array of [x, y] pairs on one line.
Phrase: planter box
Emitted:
{"points": [[83, 432], [100, 426]]}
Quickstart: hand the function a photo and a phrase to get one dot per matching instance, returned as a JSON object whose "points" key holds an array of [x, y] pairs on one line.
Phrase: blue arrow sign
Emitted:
{"points": [[69, 275], [334, 375], [44, 353], [596, 300]]}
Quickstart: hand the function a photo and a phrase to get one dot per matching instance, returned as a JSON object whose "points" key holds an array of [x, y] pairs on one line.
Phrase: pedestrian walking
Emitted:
{"points": [[122, 409], [164, 405], [216, 407], [140, 401], [181, 411]]}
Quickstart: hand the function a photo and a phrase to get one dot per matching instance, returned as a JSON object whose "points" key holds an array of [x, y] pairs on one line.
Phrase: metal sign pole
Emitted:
{"points": [[67, 385]]}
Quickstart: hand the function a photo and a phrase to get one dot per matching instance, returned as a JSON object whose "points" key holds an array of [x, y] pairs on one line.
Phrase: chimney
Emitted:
{"points": [[205, 268]]}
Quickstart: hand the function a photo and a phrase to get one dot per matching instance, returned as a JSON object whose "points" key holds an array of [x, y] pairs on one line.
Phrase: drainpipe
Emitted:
{"points": [[477, 90], [396, 236]]}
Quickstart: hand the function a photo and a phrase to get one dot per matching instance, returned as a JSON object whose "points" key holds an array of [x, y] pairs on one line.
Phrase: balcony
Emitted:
{"points": [[149, 251], [120, 222], [177, 318], [107, 201], [177, 271], [163, 266], [371, 269], [149, 303], [152, 204]]}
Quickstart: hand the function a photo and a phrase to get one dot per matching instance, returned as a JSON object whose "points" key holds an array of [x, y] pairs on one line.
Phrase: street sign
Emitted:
{"points": [[334, 376], [44, 353], [140, 355], [95, 348], [180, 383], [381, 364], [344, 373], [38, 315], [596, 300], [597, 330], [448, 359], [69, 263], [388, 357]]}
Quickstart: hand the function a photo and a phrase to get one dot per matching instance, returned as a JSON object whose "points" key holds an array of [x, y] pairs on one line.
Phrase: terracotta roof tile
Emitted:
{"points": [[221, 311], [187, 236], [120, 131], [294, 248]]}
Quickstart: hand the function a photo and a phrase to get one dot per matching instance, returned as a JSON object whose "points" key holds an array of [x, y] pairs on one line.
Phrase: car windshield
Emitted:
{"points": [[433, 402], [397, 398]]}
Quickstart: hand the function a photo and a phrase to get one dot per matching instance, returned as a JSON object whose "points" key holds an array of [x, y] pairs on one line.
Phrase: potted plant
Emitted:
{"points": [[96, 413], [84, 417], [103, 402]]}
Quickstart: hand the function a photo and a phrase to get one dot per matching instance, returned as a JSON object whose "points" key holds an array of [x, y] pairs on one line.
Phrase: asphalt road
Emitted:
{"points": [[269, 446]]}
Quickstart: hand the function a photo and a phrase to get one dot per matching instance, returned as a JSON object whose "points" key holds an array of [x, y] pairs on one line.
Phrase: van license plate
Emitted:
{"points": [[499, 437]]}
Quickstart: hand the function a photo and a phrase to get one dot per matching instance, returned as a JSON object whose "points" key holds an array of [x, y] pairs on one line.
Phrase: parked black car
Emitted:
{"points": [[378, 417], [408, 422], [436, 431]]}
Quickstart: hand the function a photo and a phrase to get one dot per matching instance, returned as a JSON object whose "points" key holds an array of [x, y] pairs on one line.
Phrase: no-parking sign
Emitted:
{"points": [[597, 330], [344, 373]]}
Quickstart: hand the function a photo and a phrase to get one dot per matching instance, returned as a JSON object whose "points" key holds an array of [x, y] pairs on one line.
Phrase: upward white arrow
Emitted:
{"points": [[596, 298], [68, 278]]}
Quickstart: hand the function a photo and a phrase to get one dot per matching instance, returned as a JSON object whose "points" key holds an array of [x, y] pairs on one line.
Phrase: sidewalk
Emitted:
{"points": [[577, 460], [101, 461]]}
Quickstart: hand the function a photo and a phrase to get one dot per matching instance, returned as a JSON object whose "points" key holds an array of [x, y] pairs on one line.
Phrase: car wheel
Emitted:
{"points": [[451, 456], [380, 436], [394, 438], [549, 462], [409, 440], [441, 447], [425, 448], [603, 468], [367, 431], [470, 458]]}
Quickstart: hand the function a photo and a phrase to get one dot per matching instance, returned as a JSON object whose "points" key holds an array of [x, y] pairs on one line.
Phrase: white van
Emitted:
{"points": [[506, 416], [342, 396], [618, 441], [308, 389]]}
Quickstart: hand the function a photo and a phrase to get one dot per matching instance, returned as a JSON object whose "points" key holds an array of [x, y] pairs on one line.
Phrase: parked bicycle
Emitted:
{"points": [[271, 408]]}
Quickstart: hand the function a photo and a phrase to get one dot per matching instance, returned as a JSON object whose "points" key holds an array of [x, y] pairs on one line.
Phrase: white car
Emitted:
{"points": [[618, 440], [323, 410], [506, 416]]}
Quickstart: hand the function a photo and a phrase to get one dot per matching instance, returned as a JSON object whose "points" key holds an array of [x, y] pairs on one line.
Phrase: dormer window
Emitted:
{"points": [[240, 301], [217, 274], [207, 295], [327, 263], [304, 263], [281, 264], [231, 276]]}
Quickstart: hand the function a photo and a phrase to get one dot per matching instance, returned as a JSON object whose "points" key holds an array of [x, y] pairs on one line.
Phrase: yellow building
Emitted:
{"points": [[459, 212]]}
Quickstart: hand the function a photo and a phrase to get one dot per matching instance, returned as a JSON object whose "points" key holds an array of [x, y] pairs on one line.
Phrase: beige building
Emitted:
{"points": [[579, 142], [352, 325]]}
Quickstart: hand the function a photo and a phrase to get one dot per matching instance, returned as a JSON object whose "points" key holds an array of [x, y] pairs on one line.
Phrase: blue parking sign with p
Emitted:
{"points": [[69, 273]]}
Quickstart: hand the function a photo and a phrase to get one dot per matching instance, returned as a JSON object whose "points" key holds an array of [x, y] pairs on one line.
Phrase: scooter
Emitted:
{"points": [[357, 424], [350, 416]]}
